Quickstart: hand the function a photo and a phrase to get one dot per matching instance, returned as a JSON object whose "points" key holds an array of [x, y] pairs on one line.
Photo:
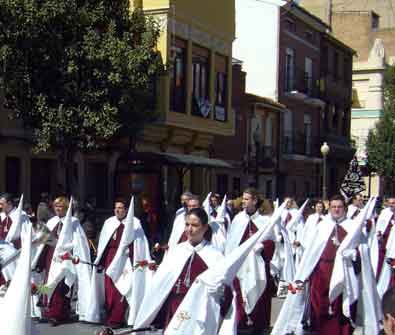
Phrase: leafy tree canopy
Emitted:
{"points": [[78, 72], [381, 140]]}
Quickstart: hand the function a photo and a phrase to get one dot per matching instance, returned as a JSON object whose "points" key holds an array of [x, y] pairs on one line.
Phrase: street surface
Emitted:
{"points": [[85, 329]]}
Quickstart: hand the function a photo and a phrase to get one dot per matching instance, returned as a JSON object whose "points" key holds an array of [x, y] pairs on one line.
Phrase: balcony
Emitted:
{"points": [[302, 85], [295, 143], [267, 158]]}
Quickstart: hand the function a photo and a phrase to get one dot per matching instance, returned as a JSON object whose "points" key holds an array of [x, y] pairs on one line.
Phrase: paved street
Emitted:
{"points": [[84, 329]]}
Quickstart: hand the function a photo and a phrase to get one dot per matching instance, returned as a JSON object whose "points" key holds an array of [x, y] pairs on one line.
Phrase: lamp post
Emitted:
{"points": [[324, 151]]}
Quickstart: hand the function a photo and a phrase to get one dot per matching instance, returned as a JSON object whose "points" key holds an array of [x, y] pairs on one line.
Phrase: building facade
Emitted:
{"points": [[312, 79], [369, 28], [174, 153], [254, 151]]}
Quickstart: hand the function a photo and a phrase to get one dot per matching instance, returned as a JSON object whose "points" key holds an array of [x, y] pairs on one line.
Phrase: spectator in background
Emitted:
{"points": [[44, 211], [388, 305], [30, 213], [149, 221], [88, 223]]}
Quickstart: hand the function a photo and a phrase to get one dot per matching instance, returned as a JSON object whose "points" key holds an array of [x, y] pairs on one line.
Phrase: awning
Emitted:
{"points": [[178, 159]]}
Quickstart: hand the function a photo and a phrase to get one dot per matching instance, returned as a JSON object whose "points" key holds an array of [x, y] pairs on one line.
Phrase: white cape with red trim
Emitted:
{"points": [[167, 274], [199, 312], [72, 239], [381, 225], [15, 306], [177, 230], [132, 284], [290, 317]]}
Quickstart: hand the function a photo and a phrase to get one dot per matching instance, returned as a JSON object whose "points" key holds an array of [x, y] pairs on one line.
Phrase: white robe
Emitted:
{"points": [[387, 272], [16, 227], [177, 230], [290, 317], [71, 239], [167, 275], [252, 274], [381, 225], [132, 284], [351, 211]]}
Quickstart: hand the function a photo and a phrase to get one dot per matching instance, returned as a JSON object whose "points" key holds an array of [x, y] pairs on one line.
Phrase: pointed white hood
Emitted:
{"points": [[15, 306], [200, 305], [17, 222], [206, 204], [116, 267], [296, 218]]}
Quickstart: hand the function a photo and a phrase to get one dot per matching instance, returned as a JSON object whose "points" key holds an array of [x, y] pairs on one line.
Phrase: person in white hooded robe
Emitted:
{"points": [[178, 271]]}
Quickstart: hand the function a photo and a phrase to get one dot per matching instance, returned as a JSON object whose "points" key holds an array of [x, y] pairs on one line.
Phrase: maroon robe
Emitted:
{"points": [[183, 238], [179, 291], [321, 321], [383, 247], [260, 316], [114, 303]]}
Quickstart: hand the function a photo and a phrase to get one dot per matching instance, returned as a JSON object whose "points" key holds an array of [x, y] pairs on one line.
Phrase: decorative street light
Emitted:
{"points": [[324, 151]]}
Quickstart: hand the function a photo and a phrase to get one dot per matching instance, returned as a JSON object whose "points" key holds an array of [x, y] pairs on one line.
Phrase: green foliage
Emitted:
{"points": [[78, 72], [381, 140]]}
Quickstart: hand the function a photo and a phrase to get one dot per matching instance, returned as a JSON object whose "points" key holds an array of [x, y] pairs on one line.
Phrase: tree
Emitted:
{"points": [[381, 140], [78, 72]]}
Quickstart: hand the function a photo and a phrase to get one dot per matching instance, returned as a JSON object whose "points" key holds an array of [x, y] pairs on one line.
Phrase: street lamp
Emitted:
{"points": [[324, 151]]}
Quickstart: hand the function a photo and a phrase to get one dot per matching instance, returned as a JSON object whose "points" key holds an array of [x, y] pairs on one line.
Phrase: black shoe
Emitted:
{"points": [[53, 322], [114, 325]]}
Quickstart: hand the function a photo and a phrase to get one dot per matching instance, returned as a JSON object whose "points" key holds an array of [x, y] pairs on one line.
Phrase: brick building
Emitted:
{"points": [[308, 72], [315, 85], [369, 28]]}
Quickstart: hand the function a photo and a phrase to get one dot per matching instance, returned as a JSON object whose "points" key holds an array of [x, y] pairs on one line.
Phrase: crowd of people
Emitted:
{"points": [[217, 270]]}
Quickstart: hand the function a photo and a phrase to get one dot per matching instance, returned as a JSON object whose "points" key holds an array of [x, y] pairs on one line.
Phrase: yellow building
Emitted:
{"points": [[194, 101], [194, 98]]}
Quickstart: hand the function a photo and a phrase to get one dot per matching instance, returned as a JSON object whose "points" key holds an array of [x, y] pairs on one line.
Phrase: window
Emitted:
{"points": [[288, 132], [336, 65], [12, 175], [324, 60], [222, 184], [335, 117], [200, 79], [289, 69], [375, 21], [97, 181], [236, 187], [221, 65], [307, 188], [346, 113], [309, 35], [290, 25], [347, 73], [178, 77], [269, 189], [307, 134], [326, 117], [308, 76]]}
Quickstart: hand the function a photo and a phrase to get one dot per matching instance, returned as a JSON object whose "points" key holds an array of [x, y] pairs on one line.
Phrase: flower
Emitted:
{"points": [[143, 263], [66, 257], [34, 289], [75, 260], [152, 266], [292, 289]]}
